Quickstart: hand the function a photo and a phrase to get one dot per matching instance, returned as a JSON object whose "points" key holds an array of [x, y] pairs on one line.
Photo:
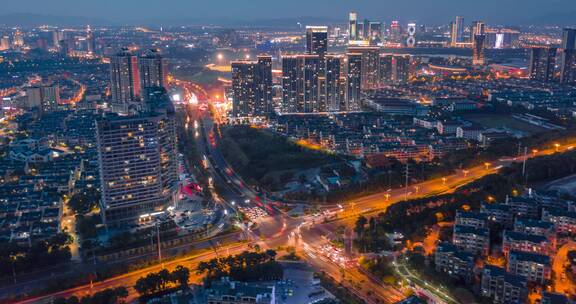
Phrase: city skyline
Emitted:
{"points": [[371, 154], [181, 12]]}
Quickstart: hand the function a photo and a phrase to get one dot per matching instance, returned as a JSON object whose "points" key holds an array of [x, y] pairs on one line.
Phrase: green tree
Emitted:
{"points": [[181, 275], [271, 253], [85, 201], [360, 225], [164, 278]]}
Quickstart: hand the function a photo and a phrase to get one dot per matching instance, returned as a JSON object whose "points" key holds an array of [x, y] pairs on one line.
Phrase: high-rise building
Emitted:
{"points": [[46, 98], [124, 80], [290, 84], [401, 68], [394, 69], [301, 84], [33, 97], [57, 36], [568, 66], [138, 161], [453, 34], [395, 31], [17, 39], [456, 30], [353, 81], [385, 69], [375, 33], [4, 43], [67, 46], [542, 62], [336, 32], [353, 26], [366, 29], [478, 49], [332, 84], [568, 56], [50, 97], [90, 41], [369, 69], [501, 38], [360, 31], [252, 87], [478, 40], [478, 28], [459, 28], [569, 38], [152, 69], [411, 30], [317, 40]]}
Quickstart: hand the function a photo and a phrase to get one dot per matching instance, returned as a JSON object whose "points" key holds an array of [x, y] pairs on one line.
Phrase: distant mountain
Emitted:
{"points": [[559, 18], [30, 20], [238, 22]]}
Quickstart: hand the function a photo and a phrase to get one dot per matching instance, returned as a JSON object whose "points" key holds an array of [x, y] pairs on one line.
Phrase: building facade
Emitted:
{"points": [[301, 84], [124, 80], [369, 67], [530, 243], [503, 287], [137, 157], [542, 63], [472, 240], [353, 82], [568, 56], [317, 40], [152, 69], [532, 266], [252, 87], [456, 263]]}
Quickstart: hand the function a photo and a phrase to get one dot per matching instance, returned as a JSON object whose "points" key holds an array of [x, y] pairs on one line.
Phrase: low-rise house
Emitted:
{"points": [[536, 227], [472, 240], [565, 222], [524, 207], [532, 266], [471, 219], [530, 243], [454, 262], [498, 213], [469, 132], [503, 287]]}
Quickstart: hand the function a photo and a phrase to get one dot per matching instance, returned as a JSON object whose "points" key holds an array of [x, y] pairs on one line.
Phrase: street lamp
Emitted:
{"points": [[444, 181], [534, 151], [159, 244], [387, 195], [556, 146], [487, 165], [465, 172]]}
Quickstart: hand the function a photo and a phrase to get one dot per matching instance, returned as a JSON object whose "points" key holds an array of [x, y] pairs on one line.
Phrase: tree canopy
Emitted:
{"points": [[247, 266]]}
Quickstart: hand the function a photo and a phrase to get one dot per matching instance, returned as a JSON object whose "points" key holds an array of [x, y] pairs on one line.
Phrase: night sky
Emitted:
{"points": [[429, 11]]}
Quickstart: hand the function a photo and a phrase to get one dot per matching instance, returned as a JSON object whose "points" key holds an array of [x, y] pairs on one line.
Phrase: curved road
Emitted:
{"points": [[280, 229]]}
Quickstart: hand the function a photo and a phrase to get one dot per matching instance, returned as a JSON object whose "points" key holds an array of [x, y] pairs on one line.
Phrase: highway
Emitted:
{"points": [[276, 230], [306, 233], [129, 279]]}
